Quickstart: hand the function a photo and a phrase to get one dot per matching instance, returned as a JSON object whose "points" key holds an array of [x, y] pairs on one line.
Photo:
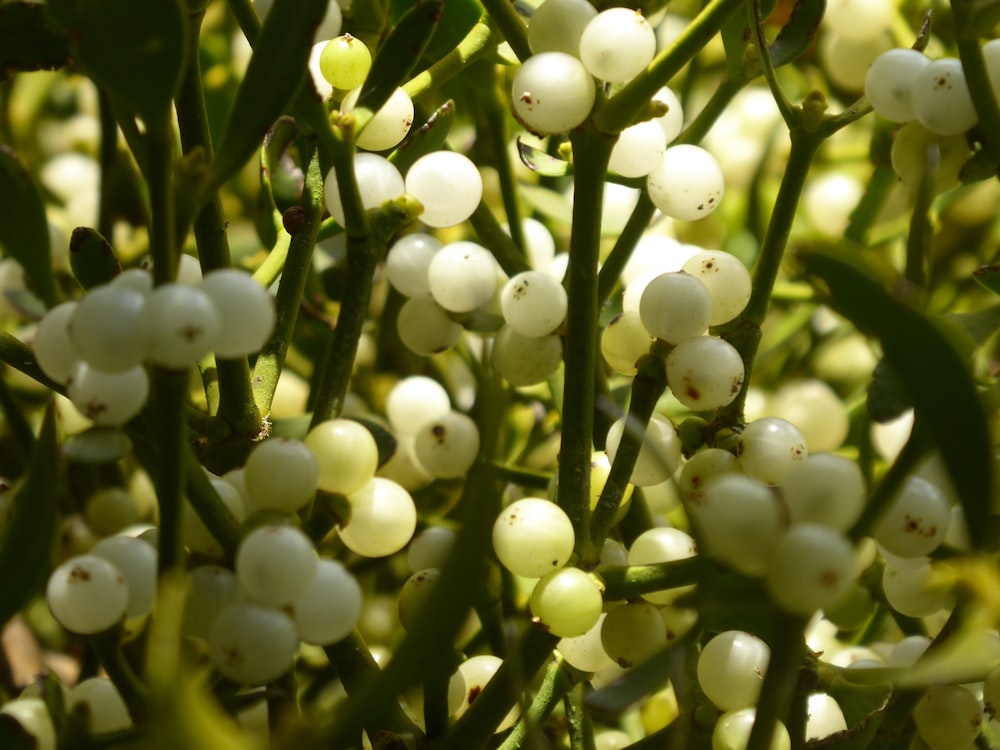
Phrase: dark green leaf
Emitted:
{"points": [[397, 57], [863, 706], [887, 396], [136, 50], [539, 161], [277, 70], [28, 40], [427, 138], [384, 439], [988, 277], [931, 369], [24, 230], [30, 536], [92, 258], [457, 19], [798, 34], [979, 167]]}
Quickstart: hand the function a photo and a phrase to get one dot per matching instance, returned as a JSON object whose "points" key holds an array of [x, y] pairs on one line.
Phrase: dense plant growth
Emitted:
{"points": [[469, 373]]}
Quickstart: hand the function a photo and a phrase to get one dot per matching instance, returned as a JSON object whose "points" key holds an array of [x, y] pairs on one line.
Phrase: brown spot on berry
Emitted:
{"points": [[79, 574], [829, 578]]}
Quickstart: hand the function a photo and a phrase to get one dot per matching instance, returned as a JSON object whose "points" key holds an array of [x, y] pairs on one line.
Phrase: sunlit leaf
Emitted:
{"points": [[539, 161]]}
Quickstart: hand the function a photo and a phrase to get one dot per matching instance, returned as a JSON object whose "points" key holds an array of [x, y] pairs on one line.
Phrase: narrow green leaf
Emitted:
{"points": [[30, 536], [136, 50], [798, 34], [541, 162], [457, 19], [932, 371], [24, 230], [428, 137], [988, 277], [863, 707], [887, 396], [28, 41], [91, 258], [277, 70], [979, 167], [398, 55]]}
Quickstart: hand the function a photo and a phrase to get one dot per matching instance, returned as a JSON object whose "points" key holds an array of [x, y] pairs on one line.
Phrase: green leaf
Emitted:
{"points": [[457, 19], [541, 162], [30, 536], [988, 277], [930, 368], [398, 55], [863, 707], [91, 258], [887, 396], [24, 230], [28, 41], [277, 70], [135, 50], [427, 138], [798, 34]]}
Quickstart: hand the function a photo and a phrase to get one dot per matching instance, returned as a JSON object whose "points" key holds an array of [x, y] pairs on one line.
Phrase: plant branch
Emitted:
{"points": [[476, 44], [788, 112], [559, 679], [628, 581], [776, 693], [592, 150], [622, 108], [293, 281], [984, 97], [511, 25], [744, 332], [236, 403]]}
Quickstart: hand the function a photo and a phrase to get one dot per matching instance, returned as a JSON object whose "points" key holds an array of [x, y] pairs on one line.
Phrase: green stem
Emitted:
{"points": [[714, 107], [558, 681], [744, 332], [429, 641], [918, 240], [627, 582], [592, 150], [621, 109], [357, 668], [977, 77], [538, 480], [648, 385], [579, 727], [108, 155], [911, 454], [169, 393], [364, 251], [493, 122], [511, 25], [236, 403], [476, 44], [497, 241], [614, 264], [162, 230], [502, 692], [293, 283], [780, 679], [218, 519], [788, 113], [108, 648], [269, 271]]}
